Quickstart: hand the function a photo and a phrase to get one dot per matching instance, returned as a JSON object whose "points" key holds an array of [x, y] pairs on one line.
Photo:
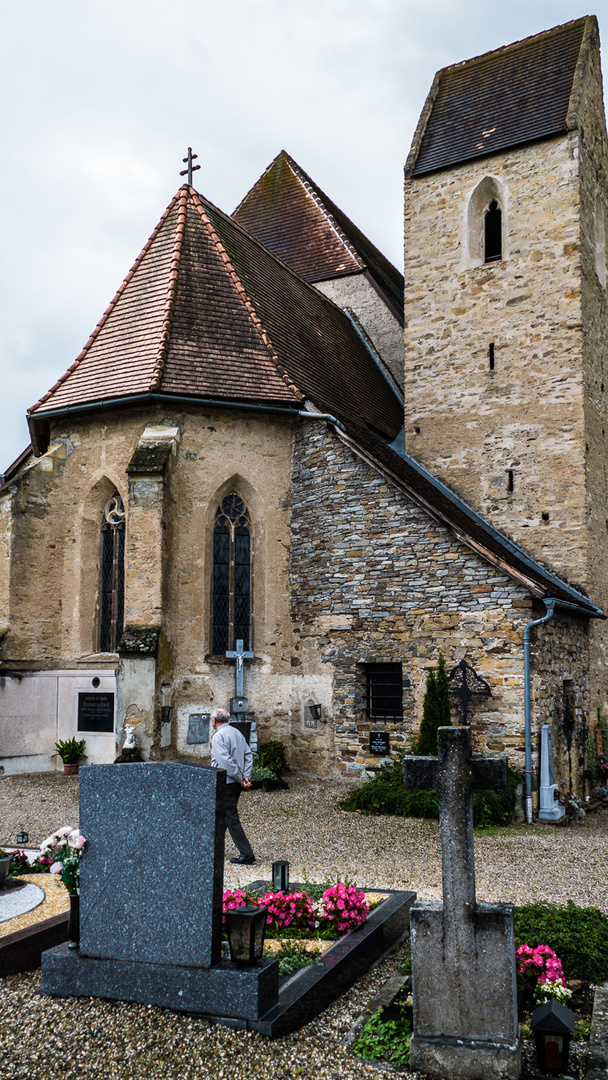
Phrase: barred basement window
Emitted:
{"points": [[231, 601], [112, 586], [384, 691]]}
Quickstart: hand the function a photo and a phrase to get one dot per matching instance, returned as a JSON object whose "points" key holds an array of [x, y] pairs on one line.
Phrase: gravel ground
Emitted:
{"points": [[47, 1038]]}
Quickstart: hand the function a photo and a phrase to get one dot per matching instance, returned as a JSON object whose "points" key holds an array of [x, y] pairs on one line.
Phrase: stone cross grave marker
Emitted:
{"points": [[463, 953], [151, 887]]}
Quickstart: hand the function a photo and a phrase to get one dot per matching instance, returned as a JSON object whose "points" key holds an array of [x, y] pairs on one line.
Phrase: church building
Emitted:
{"points": [[275, 445]]}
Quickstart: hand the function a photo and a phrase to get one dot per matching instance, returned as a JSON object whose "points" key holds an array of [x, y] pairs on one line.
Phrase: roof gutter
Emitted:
{"points": [[183, 399], [551, 603]]}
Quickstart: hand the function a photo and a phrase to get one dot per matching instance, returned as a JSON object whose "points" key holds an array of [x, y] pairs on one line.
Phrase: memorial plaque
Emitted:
{"points": [[244, 726], [96, 711], [198, 727], [379, 743], [310, 723]]}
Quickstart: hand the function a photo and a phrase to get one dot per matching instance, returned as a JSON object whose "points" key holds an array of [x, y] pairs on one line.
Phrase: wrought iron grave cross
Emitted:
{"points": [[466, 684], [455, 774], [240, 656], [191, 168]]}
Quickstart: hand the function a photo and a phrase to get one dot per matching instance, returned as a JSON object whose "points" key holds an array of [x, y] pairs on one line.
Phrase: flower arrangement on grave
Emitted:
{"points": [[286, 911], [65, 848], [344, 906], [541, 972], [235, 898]]}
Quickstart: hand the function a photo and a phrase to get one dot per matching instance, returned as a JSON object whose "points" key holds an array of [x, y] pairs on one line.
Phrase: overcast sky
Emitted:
{"points": [[101, 98]]}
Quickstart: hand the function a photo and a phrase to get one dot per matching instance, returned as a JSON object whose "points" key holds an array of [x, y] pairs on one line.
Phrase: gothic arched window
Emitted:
{"points": [[492, 232], [112, 586], [231, 602]]}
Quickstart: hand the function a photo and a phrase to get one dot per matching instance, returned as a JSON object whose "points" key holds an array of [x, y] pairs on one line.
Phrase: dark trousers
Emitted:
{"points": [[232, 821]]}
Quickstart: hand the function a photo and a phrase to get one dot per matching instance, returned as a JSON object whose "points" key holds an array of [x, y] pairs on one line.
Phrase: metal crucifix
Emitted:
{"points": [[191, 168], [466, 684], [239, 703]]}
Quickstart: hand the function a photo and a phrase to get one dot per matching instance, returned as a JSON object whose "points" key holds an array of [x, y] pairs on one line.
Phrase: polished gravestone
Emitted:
{"points": [[151, 896], [550, 809], [463, 952]]}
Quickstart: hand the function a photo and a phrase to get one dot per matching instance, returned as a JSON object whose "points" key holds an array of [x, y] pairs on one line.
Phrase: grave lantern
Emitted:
{"points": [[22, 836], [165, 714], [246, 927], [316, 712], [552, 1025], [280, 876]]}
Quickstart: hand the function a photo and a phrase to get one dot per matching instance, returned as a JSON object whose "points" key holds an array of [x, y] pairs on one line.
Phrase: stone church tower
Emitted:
{"points": [[506, 363]]}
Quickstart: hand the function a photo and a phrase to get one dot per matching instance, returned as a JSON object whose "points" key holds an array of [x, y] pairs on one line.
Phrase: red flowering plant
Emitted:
{"points": [[540, 971], [288, 911], [344, 906]]}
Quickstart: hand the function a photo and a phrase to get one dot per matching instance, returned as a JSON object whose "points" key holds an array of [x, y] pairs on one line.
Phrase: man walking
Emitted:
{"points": [[229, 751]]}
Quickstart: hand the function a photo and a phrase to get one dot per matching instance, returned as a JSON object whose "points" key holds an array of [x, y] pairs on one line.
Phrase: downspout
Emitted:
{"points": [[549, 603]]}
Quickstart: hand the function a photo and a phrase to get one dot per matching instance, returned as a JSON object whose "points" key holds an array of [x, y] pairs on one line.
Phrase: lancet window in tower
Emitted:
{"points": [[492, 227], [112, 586], [231, 600]]}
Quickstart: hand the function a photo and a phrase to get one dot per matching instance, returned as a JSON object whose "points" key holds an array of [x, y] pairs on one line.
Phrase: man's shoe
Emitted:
{"points": [[244, 860]]}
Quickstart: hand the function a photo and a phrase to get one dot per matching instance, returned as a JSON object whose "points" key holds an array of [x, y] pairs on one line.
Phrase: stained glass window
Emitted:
{"points": [[112, 586], [231, 601]]}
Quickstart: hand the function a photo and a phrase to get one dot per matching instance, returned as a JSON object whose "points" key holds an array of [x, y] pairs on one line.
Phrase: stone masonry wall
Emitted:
{"points": [[375, 579], [473, 426]]}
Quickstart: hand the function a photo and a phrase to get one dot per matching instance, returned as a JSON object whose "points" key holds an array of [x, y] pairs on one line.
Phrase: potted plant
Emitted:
{"points": [[70, 751], [6, 857]]}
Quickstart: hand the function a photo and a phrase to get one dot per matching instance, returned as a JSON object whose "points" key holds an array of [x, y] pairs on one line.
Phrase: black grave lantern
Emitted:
{"points": [[22, 837], [246, 927], [316, 712], [280, 876], [552, 1025], [165, 714]]}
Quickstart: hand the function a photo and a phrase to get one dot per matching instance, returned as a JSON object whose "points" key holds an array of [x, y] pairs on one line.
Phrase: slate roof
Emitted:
{"points": [[445, 506], [513, 95], [208, 312], [290, 214]]}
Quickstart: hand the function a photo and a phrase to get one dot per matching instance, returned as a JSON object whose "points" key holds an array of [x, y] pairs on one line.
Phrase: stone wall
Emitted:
{"points": [[376, 579], [385, 331], [475, 426]]}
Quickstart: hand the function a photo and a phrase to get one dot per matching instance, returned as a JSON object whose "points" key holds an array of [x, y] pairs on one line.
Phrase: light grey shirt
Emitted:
{"points": [[229, 751]]}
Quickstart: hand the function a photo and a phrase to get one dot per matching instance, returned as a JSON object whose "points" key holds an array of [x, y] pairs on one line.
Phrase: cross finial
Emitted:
{"points": [[191, 168]]}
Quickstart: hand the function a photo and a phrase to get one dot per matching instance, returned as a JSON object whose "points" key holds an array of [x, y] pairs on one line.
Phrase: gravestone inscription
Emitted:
{"points": [[463, 952], [96, 711], [379, 743]]}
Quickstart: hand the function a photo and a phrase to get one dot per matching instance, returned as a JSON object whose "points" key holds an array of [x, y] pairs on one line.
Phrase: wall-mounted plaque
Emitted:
{"points": [[96, 711], [379, 743], [310, 723], [198, 727]]}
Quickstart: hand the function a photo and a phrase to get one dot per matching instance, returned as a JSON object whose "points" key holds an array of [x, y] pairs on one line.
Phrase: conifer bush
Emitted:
{"points": [[436, 710]]}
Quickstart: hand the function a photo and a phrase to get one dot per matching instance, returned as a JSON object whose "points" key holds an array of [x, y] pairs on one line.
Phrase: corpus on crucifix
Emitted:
{"points": [[239, 703]]}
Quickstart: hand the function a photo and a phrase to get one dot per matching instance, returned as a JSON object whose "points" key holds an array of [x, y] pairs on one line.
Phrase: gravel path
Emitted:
{"points": [[42, 1038]]}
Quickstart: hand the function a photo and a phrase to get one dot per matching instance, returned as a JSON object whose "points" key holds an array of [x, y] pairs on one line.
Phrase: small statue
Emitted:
{"points": [[129, 751]]}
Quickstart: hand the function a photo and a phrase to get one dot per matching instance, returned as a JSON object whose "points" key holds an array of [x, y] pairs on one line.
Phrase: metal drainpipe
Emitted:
{"points": [[549, 603]]}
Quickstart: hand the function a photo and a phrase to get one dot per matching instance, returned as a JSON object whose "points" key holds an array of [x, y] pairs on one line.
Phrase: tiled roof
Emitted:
{"points": [[208, 312], [514, 95], [462, 520], [288, 213]]}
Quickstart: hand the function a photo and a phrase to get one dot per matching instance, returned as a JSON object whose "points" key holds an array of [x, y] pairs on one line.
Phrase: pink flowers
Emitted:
{"points": [[541, 971], [234, 899], [345, 906], [289, 909]]}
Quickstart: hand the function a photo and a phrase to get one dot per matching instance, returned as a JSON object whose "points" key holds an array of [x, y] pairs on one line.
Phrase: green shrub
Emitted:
{"points": [[385, 794], [387, 1040], [272, 755], [294, 955], [579, 936], [436, 710]]}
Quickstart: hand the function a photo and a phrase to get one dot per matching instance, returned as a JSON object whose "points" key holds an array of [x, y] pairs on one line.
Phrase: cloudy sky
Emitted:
{"points": [[101, 98]]}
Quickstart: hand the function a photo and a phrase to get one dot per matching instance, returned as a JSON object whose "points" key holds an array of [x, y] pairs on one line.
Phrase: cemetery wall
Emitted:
{"points": [[375, 579]]}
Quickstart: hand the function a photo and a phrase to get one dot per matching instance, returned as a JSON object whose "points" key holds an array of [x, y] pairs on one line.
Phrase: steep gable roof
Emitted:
{"points": [[513, 95], [290, 214], [208, 312]]}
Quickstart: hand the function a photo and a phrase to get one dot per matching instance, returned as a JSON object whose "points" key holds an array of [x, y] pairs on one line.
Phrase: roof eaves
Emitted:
{"points": [[580, 601], [242, 294], [172, 294], [109, 309]]}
